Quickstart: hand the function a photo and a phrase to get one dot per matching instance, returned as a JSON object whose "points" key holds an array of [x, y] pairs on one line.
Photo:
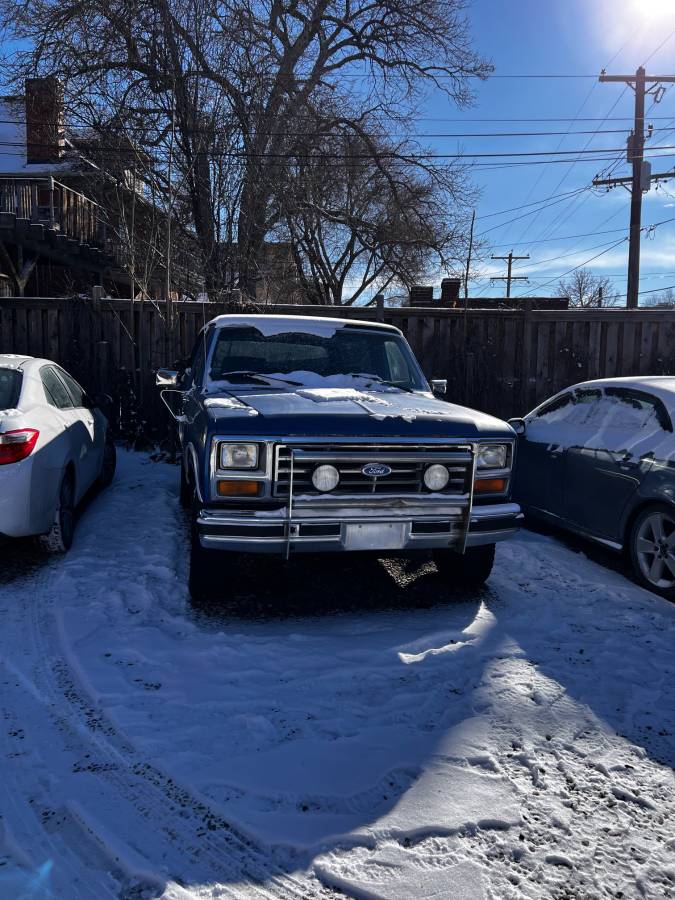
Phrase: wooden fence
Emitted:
{"points": [[499, 361]]}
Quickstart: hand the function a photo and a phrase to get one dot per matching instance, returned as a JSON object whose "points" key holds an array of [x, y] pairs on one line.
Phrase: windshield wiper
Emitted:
{"points": [[376, 378], [256, 376]]}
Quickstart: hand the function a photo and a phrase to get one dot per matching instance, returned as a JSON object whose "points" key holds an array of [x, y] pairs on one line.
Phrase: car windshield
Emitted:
{"points": [[10, 386], [378, 360]]}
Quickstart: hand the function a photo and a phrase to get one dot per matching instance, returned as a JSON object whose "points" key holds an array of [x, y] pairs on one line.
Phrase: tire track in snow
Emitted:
{"points": [[172, 827]]}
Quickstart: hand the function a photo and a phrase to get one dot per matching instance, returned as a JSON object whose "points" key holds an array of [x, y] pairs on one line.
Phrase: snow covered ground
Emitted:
{"points": [[346, 728]]}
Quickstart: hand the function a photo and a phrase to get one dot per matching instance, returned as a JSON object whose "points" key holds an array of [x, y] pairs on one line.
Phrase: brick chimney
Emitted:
{"points": [[421, 295], [45, 121], [450, 291]]}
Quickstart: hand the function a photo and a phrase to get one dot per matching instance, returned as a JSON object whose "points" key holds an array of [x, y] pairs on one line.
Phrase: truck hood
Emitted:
{"points": [[346, 412]]}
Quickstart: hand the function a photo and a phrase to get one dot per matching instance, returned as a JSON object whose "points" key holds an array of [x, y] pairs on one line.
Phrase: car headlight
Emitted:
{"points": [[492, 456], [238, 456]]}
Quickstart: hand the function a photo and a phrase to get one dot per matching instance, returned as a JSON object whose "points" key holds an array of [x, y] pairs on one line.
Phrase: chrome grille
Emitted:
{"points": [[407, 463]]}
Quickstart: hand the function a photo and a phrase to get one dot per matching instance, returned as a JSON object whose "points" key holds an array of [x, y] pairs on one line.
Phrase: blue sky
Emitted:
{"points": [[576, 38]]}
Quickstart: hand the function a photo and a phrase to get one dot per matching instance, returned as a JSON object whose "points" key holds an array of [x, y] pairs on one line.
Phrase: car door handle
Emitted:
{"points": [[553, 452]]}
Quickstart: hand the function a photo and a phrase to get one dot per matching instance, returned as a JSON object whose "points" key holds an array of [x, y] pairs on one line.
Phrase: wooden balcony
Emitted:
{"points": [[54, 206]]}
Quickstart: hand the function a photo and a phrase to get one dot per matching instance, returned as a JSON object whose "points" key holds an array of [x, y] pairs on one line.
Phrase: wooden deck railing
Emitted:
{"points": [[50, 203]]}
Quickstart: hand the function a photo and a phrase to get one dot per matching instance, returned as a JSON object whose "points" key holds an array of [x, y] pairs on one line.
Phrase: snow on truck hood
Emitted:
{"points": [[397, 408]]}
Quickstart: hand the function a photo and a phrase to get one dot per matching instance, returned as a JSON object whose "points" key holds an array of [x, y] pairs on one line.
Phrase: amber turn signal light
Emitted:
{"points": [[489, 486], [238, 488]]}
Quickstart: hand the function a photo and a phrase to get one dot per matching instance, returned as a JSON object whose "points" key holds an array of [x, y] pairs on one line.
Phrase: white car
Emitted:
{"points": [[54, 446]]}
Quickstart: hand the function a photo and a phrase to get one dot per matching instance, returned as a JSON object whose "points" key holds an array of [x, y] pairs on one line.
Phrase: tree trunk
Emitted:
{"points": [[251, 234]]}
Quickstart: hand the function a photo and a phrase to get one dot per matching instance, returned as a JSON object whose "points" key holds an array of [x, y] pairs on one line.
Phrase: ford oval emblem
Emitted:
{"points": [[376, 470]]}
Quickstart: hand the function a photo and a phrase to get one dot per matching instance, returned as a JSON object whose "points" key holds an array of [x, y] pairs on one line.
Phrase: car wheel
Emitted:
{"points": [[59, 538], [652, 549], [109, 463], [469, 570], [186, 489]]}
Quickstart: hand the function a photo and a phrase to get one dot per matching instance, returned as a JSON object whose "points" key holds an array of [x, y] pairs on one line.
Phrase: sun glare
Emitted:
{"points": [[651, 10]]}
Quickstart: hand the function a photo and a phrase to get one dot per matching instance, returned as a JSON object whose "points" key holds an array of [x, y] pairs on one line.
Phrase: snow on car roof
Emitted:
{"points": [[661, 386], [320, 325], [13, 360]]}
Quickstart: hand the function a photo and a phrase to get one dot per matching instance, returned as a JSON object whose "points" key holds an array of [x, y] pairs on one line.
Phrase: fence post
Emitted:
{"points": [[102, 367], [379, 306], [525, 380]]}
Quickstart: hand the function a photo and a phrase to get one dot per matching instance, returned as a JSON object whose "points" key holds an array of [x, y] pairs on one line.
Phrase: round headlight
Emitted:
{"points": [[325, 478], [436, 477]]}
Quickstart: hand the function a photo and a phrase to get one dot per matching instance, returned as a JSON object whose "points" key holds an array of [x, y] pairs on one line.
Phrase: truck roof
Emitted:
{"points": [[271, 324]]}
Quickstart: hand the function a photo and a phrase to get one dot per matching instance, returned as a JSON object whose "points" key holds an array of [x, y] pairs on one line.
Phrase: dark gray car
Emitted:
{"points": [[599, 460]]}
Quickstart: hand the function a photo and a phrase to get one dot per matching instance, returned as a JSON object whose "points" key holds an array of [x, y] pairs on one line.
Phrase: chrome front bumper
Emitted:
{"points": [[393, 526]]}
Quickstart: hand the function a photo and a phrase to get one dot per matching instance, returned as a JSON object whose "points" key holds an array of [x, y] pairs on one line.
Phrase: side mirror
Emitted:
{"points": [[518, 425], [439, 386], [166, 378]]}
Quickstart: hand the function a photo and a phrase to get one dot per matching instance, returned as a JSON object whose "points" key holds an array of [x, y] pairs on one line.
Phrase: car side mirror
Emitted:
{"points": [[439, 386], [166, 378], [518, 425]]}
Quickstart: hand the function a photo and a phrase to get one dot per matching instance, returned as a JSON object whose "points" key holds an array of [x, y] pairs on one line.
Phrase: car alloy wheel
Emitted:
{"points": [[655, 549]]}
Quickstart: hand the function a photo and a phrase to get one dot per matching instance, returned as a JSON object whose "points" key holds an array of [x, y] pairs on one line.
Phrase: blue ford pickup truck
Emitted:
{"points": [[312, 435]]}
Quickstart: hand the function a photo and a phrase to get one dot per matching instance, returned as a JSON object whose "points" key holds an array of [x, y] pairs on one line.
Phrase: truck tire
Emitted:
{"points": [[204, 578], [469, 570], [186, 489]]}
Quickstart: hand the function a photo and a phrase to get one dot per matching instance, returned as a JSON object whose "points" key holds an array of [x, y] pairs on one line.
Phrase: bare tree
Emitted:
{"points": [[586, 290], [374, 219], [664, 299], [217, 89]]}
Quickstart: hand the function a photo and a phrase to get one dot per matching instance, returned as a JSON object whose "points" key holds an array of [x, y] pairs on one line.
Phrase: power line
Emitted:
{"points": [[579, 111], [636, 156], [98, 134], [565, 177], [509, 278], [646, 228], [530, 120], [487, 77], [533, 203], [581, 265], [669, 287], [529, 213], [540, 262], [561, 141], [568, 237], [320, 155], [577, 201]]}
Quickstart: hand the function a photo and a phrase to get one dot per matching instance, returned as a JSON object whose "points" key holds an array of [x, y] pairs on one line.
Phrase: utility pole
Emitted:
{"points": [[508, 278], [636, 148], [468, 258]]}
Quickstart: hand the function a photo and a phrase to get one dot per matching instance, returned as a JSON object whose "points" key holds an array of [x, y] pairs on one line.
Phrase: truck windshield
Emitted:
{"points": [[345, 356], [10, 386]]}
